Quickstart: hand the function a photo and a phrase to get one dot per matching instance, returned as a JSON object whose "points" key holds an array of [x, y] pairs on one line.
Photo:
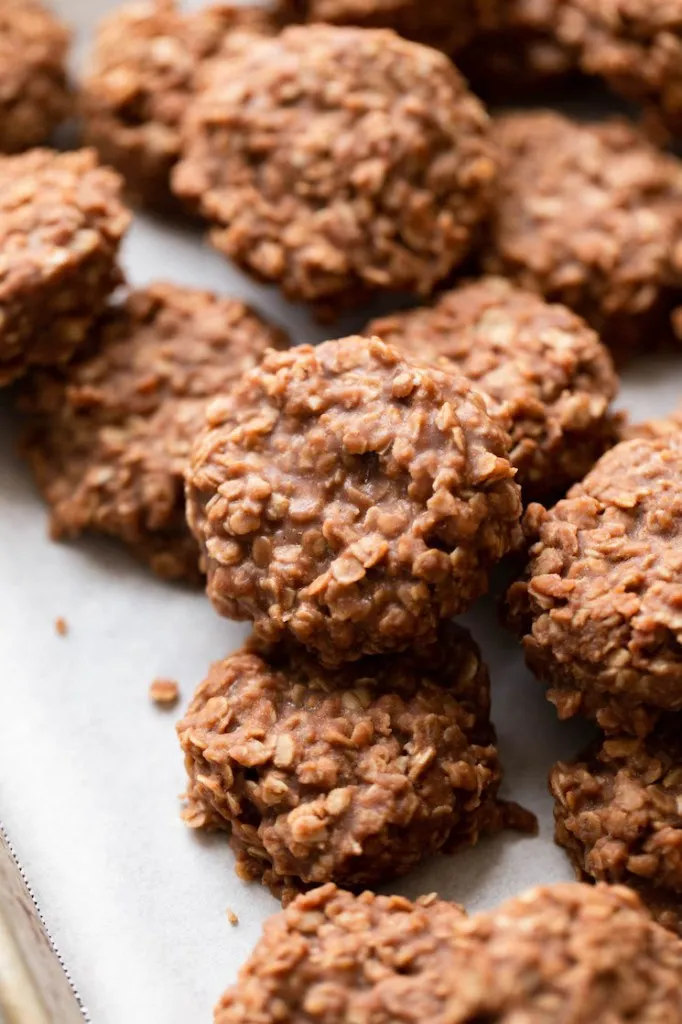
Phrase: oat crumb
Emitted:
{"points": [[61, 626], [164, 691], [232, 917]]}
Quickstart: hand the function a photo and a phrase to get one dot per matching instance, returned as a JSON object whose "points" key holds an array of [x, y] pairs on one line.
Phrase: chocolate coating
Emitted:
{"points": [[503, 46], [141, 79], [557, 953], [635, 45]]}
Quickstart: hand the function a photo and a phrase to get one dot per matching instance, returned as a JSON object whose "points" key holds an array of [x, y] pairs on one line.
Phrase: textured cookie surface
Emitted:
{"points": [[539, 362], [141, 79], [589, 215], [334, 161], [61, 224], [351, 775], [34, 93], [351, 498], [599, 608], [559, 953], [635, 45], [108, 436], [618, 813]]}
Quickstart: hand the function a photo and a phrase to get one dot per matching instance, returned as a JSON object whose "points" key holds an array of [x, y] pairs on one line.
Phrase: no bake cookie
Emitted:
{"points": [[108, 436], [351, 775], [61, 225], [336, 161], [351, 498]]}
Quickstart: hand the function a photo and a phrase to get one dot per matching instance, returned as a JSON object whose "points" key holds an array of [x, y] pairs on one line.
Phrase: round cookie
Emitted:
{"points": [[108, 436], [141, 79], [636, 45], [350, 498], [588, 955], [589, 215], [61, 224], [618, 813], [599, 608], [349, 775], [34, 92], [331, 953], [336, 161], [540, 363]]}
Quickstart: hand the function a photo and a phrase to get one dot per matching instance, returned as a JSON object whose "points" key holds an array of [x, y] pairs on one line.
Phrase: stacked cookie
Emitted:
{"points": [[348, 502]]}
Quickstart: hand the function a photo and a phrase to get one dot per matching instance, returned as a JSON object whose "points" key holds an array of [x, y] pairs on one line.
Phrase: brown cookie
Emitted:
{"points": [[141, 79], [599, 607], [542, 366], [635, 45], [108, 436], [350, 498], [504, 47], [61, 224], [331, 956], [337, 161], [588, 955], [618, 813], [589, 215], [34, 91], [350, 775]]}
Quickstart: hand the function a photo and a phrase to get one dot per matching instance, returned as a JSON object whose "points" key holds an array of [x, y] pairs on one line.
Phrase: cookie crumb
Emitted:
{"points": [[61, 626], [164, 691], [232, 917]]}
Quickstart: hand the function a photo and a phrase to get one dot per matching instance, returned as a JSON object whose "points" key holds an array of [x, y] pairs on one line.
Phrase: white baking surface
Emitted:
{"points": [[90, 770]]}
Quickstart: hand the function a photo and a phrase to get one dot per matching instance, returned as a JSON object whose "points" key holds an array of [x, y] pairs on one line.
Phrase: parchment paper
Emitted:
{"points": [[90, 770]]}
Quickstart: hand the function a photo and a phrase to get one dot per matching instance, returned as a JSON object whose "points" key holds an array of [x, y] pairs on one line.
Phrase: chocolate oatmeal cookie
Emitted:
{"points": [[141, 80], [350, 498], [636, 45], [618, 813], [540, 363], [34, 92], [61, 224], [108, 436], [562, 953], [350, 775], [599, 609], [331, 956], [336, 161], [589, 215]]}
